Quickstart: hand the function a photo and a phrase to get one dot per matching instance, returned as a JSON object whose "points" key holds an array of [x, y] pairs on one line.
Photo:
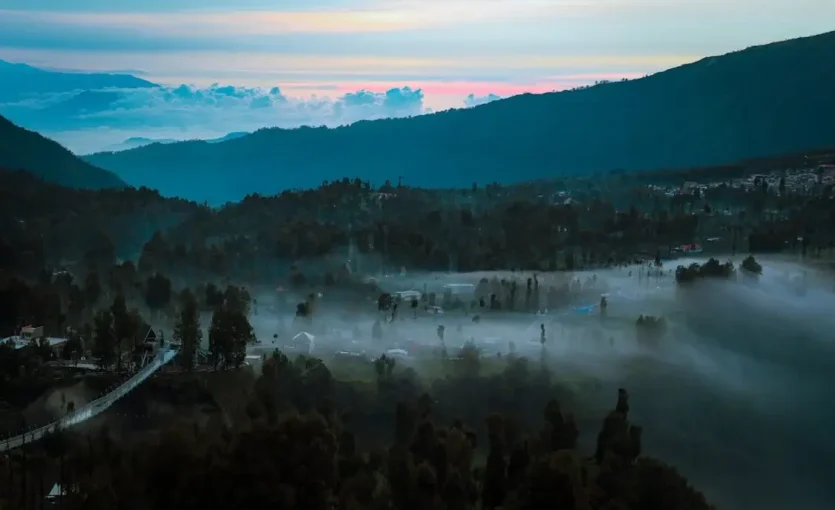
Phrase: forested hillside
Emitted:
{"points": [[567, 223], [46, 224], [21, 149]]}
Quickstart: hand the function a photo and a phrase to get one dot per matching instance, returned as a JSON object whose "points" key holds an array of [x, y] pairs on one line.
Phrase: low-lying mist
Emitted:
{"points": [[738, 393]]}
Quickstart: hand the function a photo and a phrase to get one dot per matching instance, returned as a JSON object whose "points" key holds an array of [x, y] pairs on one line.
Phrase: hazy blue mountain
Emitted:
{"points": [[138, 141], [761, 101], [18, 81], [141, 141], [61, 112], [85, 102], [227, 137], [21, 149]]}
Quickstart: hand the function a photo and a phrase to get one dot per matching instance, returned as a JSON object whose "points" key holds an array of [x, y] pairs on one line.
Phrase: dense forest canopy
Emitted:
{"points": [[762, 205], [706, 113], [42, 221]]}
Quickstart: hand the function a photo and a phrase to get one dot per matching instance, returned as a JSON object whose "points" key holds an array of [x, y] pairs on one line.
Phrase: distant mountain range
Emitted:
{"points": [[19, 81], [86, 101], [54, 101], [139, 141], [761, 101], [21, 149]]}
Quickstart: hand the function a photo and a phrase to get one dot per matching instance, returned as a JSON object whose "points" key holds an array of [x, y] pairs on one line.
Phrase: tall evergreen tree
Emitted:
{"points": [[220, 337], [92, 288], [125, 326], [157, 292], [104, 345], [242, 335], [187, 330], [229, 335]]}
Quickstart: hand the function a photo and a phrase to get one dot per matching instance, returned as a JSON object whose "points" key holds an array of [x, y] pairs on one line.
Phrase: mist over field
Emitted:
{"points": [[738, 394], [258, 254]]}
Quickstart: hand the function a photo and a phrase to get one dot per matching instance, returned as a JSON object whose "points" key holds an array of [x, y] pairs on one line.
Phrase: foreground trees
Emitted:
{"points": [[313, 462]]}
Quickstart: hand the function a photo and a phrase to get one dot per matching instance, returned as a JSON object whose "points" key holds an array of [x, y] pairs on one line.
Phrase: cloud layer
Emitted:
{"points": [[339, 61], [473, 100], [89, 121]]}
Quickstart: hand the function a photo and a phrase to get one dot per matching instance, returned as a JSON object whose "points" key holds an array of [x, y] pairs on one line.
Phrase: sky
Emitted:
{"points": [[447, 49]]}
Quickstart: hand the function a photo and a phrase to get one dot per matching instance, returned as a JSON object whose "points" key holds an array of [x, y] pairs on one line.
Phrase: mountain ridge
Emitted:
{"points": [[136, 142], [20, 80], [21, 149], [761, 101]]}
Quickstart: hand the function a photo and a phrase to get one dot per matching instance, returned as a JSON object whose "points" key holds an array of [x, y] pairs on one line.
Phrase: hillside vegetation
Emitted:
{"points": [[21, 149], [41, 221], [762, 101]]}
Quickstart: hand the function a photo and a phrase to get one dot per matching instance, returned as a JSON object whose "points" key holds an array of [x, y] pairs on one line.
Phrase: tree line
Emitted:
{"points": [[297, 447], [565, 224]]}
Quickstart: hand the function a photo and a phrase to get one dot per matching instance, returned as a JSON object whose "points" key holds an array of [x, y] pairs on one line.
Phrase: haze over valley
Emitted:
{"points": [[417, 255]]}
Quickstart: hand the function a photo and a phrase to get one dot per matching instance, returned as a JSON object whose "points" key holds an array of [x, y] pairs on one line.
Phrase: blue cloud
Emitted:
{"points": [[473, 100], [183, 112], [403, 101], [362, 97]]}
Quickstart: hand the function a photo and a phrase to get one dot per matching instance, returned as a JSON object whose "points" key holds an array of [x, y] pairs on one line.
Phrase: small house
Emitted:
{"points": [[29, 333]]}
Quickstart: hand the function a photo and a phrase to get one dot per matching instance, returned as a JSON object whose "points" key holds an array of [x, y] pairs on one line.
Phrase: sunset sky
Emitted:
{"points": [[449, 48]]}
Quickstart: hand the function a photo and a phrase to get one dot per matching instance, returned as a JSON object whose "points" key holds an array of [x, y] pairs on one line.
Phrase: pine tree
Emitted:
{"points": [[229, 335], [219, 336], [104, 345], [124, 327], [187, 330], [242, 335]]}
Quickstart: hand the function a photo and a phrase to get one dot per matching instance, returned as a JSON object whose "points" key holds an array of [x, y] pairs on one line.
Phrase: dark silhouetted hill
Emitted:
{"points": [[21, 149], [18, 81], [759, 102]]}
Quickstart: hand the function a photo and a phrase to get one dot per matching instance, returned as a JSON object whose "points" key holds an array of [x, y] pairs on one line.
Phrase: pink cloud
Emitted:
{"points": [[463, 88]]}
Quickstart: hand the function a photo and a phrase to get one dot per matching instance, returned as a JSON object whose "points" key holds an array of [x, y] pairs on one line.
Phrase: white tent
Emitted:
{"points": [[303, 342], [304, 335], [56, 491]]}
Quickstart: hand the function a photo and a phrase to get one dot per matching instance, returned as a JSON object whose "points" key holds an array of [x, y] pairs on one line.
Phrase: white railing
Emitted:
{"points": [[93, 408], [18, 342]]}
